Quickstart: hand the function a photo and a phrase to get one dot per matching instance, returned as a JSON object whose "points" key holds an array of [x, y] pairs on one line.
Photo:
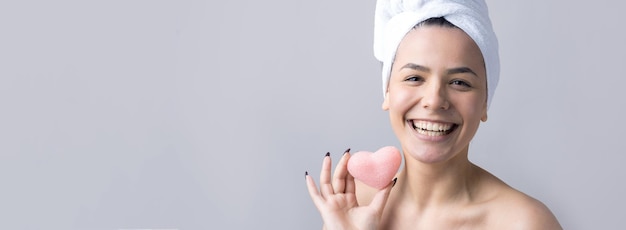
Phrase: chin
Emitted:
{"points": [[430, 156]]}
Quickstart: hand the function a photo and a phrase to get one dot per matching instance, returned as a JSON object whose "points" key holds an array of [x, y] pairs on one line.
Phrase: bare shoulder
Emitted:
{"points": [[495, 205], [512, 209]]}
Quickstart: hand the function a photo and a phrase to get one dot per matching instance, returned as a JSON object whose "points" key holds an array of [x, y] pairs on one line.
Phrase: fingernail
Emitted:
{"points": [[394, 181], [327, 154], [306, 173], [347, 151]]}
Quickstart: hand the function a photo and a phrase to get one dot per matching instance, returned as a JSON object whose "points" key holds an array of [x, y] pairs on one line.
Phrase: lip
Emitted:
{"points": [[430, 138]]}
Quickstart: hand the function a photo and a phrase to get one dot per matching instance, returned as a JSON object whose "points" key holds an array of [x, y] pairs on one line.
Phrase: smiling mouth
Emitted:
{"points": [[433, 129]]}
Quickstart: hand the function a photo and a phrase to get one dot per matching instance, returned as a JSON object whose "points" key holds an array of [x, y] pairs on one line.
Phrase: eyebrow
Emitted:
{"points": [[414, 66], [462, 70], [457, 70]]}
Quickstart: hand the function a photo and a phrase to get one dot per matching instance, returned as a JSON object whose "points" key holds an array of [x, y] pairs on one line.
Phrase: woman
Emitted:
{"points": [[440, 69]]}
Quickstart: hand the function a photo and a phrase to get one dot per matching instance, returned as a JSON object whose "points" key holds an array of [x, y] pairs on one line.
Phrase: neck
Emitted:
{"points": [[438, 183]]}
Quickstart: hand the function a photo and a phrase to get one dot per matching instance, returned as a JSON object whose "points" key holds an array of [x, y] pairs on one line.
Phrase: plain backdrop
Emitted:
{"points": [[154, 114]]}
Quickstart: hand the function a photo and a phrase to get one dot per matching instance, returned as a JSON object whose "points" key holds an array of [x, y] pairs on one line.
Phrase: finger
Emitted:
{"points": [[313, 192], [380, 199], [350, 184], [341, 172], [325, 186]]}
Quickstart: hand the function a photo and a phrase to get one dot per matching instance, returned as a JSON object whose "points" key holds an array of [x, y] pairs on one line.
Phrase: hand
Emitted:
{"points": [[337, 201]]}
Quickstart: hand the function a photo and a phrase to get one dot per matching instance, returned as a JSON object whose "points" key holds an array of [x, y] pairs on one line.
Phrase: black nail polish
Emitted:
{"points": [[327, 154], [347, 151], [394, 181], [306, 173]]}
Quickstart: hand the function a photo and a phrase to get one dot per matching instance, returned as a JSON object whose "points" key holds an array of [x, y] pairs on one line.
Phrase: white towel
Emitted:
{"points": [[395, 18]]}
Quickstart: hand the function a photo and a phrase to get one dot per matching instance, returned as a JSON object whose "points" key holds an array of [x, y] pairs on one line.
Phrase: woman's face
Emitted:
{"points": [[437, 93]]}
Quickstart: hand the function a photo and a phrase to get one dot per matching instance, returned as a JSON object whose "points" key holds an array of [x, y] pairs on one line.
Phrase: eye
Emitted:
{"points": [[460, 83], [414, 78]]}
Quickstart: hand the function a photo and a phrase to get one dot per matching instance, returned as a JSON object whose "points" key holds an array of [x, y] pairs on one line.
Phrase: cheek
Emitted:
{"points": [[472, 107], [399, 105], [400, 99]]}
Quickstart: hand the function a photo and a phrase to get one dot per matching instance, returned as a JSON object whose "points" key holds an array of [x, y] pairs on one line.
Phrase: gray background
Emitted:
{"points": [[205, 114]]}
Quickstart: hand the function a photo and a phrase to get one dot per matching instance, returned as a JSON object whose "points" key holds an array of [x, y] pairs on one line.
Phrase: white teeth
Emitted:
{"points": [[441, 127], [431, 126], [430, 133]]}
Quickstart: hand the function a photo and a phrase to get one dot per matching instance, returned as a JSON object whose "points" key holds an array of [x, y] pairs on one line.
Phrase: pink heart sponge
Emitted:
{"points": [[375, 169]]}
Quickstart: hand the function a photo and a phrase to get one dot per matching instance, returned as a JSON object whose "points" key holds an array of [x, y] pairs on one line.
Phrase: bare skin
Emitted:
{"points": [[436, 100], [484, 203]]}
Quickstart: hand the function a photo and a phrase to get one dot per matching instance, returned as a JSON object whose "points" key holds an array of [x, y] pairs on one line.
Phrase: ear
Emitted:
{"points": [[386, 101], [484, 117]]}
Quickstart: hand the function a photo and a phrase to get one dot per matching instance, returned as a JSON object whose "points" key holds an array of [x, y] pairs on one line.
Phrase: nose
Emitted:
{"points": [[434, 96]]}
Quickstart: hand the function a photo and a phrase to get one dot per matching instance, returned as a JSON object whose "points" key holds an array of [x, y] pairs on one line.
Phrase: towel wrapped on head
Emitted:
{"points": [[395, 18]]}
